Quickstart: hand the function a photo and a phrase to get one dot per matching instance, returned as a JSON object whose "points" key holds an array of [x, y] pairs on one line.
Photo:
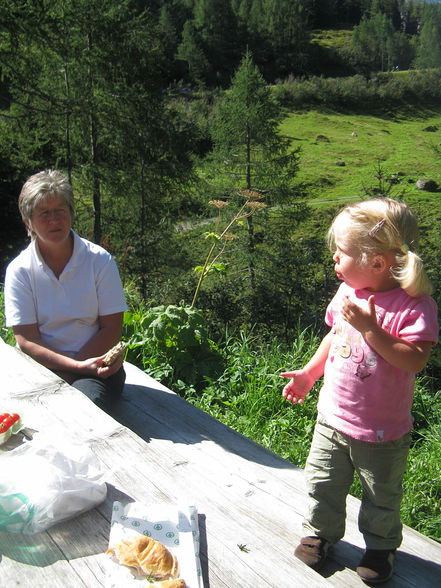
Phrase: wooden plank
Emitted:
{"points": [[35, 561], [232, 518]]}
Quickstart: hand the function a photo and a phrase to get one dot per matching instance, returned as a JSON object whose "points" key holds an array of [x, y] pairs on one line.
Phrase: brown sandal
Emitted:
{"points": [[312, 551], [377, 565]]}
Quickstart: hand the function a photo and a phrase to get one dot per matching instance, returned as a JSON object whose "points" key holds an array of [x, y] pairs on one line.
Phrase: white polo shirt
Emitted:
{"points": [[66, 309]]}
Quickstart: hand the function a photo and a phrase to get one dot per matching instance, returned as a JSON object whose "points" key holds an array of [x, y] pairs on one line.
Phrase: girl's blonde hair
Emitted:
{"points": [[384, 225]]}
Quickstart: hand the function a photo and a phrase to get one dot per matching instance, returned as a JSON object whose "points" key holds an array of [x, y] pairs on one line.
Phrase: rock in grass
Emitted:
{"points": [[427, 185]]}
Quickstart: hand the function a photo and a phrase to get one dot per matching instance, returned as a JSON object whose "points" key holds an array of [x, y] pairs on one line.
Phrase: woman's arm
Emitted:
{"points": [[29, 340], [108, 335]]}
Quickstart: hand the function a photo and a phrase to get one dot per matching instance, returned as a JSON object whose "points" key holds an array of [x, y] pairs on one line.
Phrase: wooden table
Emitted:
{"points": [[158, 448]]}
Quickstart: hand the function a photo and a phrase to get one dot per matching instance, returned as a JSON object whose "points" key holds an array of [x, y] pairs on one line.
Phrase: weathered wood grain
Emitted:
{"points": [[156, 447]]}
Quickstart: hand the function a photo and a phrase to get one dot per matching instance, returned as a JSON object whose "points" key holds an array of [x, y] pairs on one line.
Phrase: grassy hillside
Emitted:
{"points": [[399, 143], [333, 39]]}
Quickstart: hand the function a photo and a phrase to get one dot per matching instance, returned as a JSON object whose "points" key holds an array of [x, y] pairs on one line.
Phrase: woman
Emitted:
{"points": [[63, 294]]}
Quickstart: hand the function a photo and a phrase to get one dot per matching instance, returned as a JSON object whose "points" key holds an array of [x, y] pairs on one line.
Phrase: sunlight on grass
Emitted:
{"points": [[402, 145]]}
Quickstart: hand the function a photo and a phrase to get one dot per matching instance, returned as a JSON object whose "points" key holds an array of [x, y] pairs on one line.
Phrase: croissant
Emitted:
{"points": [[113, 354], [149, 557]]}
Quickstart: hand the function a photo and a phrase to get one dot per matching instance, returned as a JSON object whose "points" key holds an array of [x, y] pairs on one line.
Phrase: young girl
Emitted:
{"points": [[383, 324]]}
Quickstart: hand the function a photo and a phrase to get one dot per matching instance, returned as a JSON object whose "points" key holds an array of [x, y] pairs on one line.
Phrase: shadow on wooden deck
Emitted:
{"points": [[151, 413]]}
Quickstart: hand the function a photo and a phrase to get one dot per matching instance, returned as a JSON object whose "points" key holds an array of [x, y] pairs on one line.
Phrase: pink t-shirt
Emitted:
{"points": [[363, 396]]}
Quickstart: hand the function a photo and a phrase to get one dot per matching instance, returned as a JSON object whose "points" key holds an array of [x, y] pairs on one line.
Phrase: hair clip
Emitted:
{"points": [[377, 228]]}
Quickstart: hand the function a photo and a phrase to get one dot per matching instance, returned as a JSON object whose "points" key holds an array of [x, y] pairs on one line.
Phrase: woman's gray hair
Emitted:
{"points": [[41, 186]]}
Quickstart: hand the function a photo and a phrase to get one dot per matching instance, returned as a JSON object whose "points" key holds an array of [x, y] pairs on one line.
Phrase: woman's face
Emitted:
{"points": [[51, 221]]}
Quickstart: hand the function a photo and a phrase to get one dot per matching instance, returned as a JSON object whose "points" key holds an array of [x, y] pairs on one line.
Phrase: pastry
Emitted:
{"points": [[113, 354], [150, 558]]}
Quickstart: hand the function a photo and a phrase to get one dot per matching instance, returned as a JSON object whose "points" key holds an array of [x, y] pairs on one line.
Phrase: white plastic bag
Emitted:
{"points": [[43, 482]]}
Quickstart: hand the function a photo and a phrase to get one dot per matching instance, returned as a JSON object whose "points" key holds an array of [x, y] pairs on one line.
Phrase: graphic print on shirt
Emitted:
{"points": [[349, 346]]}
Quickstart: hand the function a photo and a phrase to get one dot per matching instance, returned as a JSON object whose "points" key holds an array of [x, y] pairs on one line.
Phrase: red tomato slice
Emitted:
{"points": [[8, 422]]}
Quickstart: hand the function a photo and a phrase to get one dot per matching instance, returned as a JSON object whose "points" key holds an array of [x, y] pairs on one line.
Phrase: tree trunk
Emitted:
{"points": [[143, 231], [96, 189], [67, 132], [251, 269]]}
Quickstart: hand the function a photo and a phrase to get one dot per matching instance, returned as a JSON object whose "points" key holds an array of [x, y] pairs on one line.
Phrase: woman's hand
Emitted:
{"points": [[29, 339], [94, 367], [108, 335], [298, 387]]}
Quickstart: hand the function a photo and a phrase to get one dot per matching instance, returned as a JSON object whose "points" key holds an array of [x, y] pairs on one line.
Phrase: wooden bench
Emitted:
{"points": [[159, 448]]}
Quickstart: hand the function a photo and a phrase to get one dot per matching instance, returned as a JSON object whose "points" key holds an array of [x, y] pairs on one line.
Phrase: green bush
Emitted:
{"points": [[361, 93], [5, 332], [172, 344]]}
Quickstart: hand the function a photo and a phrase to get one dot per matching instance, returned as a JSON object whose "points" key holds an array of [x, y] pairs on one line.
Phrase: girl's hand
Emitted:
{"points": [[300, 384], [360, 319]]}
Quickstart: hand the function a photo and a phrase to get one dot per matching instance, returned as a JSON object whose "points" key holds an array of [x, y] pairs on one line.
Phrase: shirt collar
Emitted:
{"points": [[79, 250]]}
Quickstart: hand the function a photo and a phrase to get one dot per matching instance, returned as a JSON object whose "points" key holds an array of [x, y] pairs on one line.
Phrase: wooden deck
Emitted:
{"points": [[160, 449]]}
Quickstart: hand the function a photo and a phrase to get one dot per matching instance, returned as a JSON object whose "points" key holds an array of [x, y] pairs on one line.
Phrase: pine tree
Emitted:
{"points": [[376, 46], [190, 51], [428, 52], [249, 151]]}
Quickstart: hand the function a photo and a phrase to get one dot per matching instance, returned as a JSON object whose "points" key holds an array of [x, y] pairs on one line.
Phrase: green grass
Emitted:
{"points": [[398, 143], [247, 396], [5, 332], [335, 39]]}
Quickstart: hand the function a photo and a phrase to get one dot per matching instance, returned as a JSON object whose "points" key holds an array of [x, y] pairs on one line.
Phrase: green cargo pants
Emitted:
{"points": [[329, 472]]}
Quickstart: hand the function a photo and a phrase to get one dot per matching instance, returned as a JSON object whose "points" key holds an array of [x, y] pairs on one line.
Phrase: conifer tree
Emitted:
{"points": [[249, 151], [428, 53]]}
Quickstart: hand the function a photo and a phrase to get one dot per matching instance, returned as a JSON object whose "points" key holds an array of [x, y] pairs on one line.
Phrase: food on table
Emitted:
{"points": [[113, 354], [148, 556], [9, 424]]}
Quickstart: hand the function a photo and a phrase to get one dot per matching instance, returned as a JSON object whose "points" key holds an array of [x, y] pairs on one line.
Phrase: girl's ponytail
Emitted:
{"points": [[410, 273]]}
